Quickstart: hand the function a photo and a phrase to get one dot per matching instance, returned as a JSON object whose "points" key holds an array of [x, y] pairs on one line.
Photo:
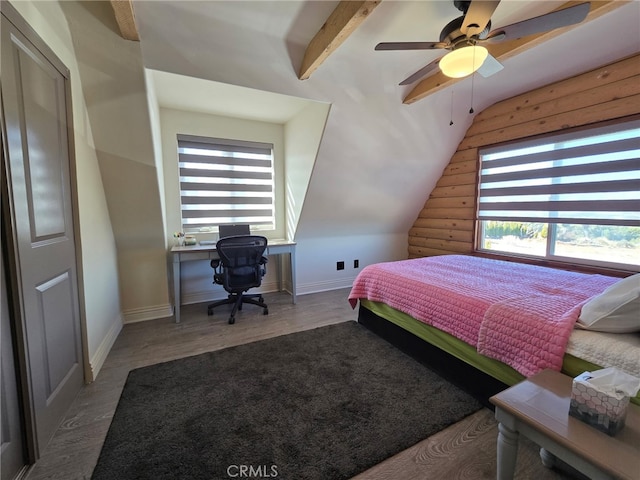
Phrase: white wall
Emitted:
{"points": [[115, 95], [302, 135], [102, 314], [317, 258], [154, 118]]}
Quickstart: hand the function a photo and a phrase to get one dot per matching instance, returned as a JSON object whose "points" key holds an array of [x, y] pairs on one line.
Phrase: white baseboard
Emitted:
{"points": [[98, 359], [218, 293], [316, 287], [200, 297], [147, 313], [142, 315], [325, 286]]}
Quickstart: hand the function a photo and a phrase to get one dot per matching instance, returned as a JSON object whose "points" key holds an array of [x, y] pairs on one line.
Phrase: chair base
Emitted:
{"points": [[237, 300]]}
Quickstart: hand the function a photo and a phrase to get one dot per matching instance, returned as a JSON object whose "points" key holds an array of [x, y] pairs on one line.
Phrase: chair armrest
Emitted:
{"points": [[263, 261], [218, 275]]}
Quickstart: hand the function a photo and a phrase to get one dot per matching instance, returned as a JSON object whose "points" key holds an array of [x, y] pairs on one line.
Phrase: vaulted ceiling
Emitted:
{"points": [[384, 146]]}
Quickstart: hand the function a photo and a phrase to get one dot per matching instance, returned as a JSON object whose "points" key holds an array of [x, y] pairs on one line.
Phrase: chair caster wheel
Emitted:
{"points": [[232, 320], [209, 311], [265, 311]]}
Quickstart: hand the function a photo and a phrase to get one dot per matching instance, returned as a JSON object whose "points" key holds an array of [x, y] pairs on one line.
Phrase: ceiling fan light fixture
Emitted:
{"points": [[463, 61]]}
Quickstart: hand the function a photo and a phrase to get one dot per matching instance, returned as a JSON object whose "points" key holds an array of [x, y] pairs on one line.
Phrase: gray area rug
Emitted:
{"points": [[321, 404]]}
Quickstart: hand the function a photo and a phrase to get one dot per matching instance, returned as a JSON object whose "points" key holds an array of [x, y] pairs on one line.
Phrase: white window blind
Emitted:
{"points": [[225, 182], [586, 177]]}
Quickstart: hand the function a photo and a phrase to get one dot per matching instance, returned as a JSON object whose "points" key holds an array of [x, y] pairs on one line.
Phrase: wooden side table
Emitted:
{"points": [[539, 409]]}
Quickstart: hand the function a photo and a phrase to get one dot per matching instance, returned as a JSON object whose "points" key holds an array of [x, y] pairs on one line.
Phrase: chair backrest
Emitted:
{"points": [[233, 230], [241, 258]]}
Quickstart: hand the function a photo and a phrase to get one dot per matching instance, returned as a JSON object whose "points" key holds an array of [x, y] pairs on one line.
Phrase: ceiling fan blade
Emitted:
{"points": [[478, 16], [490, 66], [410, 45], [543, 23], [420, 73]]}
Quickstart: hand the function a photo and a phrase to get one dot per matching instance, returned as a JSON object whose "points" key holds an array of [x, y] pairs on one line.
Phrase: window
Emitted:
{"points": [[225, 182], [571, 197]]}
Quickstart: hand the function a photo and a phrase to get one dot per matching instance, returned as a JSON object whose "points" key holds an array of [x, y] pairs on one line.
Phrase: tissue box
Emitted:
{"points": [[599, 409]]}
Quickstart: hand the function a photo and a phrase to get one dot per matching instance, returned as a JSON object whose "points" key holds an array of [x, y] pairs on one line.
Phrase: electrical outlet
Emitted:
{"points": [[356, 263], [340, 266]]}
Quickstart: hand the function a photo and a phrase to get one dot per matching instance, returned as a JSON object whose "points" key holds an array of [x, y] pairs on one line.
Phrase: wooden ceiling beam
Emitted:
{"points": [[506, 50], [125, 17], [342, 22]]}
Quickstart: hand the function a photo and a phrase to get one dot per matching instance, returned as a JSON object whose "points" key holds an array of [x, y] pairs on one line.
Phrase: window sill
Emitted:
{"points": [[574, 267]]}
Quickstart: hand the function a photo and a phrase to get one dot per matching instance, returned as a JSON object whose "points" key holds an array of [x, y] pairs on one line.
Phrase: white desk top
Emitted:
{"points": [[208, 248]]}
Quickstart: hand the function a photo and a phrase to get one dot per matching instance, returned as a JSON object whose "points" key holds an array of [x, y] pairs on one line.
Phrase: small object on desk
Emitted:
{"points": [[190, 240], [601, 398], [234, 230], [208, 242], [180, 237]]}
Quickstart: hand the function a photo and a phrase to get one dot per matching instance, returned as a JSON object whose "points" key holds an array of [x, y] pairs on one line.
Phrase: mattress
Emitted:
{"points": [[621, 350]]}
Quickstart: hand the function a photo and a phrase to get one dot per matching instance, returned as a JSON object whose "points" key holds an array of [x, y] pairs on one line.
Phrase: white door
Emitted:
{"points": [[40, 225]]}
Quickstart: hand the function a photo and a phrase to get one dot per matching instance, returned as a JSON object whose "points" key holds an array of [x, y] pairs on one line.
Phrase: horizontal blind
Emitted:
{"points": [[587, 177], [225, 182]]}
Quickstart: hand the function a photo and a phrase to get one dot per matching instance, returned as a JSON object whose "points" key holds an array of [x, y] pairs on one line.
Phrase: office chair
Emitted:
{"points": [[241, 266]]}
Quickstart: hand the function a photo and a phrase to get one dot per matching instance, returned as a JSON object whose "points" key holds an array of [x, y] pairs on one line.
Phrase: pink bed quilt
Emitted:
{"points": [[519, 314]]}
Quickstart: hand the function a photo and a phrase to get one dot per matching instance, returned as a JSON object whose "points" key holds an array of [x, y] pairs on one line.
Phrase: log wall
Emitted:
{"points": [[446, 223]]}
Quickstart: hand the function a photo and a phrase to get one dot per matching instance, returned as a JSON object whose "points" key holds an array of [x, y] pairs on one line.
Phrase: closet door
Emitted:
{"points": [[40, 225]]}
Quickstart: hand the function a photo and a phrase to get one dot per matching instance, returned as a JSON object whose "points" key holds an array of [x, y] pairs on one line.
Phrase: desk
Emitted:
{"points": [[208, 252]]}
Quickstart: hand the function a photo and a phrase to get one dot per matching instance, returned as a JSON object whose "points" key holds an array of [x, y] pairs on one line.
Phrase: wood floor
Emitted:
{"points": [[464, 451]]}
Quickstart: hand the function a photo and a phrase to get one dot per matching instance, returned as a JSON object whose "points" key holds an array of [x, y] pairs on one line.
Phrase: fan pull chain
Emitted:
{"points": [[471, 109], [451, 121], [473, 77]]}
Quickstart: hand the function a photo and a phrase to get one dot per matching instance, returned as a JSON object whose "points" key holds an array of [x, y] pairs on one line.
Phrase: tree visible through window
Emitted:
{"points": [[225, 182], [572, 197]]}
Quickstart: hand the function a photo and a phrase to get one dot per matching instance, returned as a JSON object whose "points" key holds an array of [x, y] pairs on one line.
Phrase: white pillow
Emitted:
{"points": [[616, 310]]}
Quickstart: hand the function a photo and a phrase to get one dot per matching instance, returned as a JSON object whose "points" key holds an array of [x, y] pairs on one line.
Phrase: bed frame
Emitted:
{"points": [[463, 375]]}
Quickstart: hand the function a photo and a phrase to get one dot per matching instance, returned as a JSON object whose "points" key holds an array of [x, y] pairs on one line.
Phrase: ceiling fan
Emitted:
{"points": [[464, 36]]}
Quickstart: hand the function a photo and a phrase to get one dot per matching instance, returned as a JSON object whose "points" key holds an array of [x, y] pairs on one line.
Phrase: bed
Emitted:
{"points": [[491, 323]]}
